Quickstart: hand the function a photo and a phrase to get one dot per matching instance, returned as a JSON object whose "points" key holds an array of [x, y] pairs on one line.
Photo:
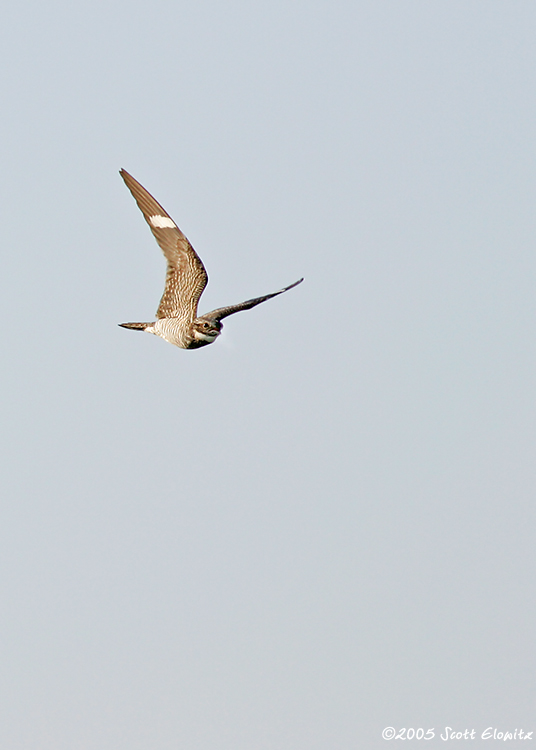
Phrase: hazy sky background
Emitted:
{"points": [[324, 523]]}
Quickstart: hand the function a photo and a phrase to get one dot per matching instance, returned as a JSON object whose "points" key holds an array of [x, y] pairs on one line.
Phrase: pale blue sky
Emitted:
{"points": [[324, 523]]}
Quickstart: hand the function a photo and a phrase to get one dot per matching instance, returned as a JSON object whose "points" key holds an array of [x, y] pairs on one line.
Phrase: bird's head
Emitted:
{"points": [[206, 329]]}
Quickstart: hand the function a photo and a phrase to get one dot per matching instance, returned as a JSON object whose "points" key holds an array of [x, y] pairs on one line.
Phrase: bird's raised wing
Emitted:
{"points": [[186, 276], [224, 312]]}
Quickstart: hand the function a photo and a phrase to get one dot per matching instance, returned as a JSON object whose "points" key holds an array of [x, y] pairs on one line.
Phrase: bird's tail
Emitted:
{"points": [[135, 326]]}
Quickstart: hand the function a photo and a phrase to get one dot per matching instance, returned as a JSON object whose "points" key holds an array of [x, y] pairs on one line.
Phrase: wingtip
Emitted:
{"points": [[295, 284]]}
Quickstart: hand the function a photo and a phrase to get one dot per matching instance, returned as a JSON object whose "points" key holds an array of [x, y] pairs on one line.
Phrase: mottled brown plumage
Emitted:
{"points": [[186, 278]]}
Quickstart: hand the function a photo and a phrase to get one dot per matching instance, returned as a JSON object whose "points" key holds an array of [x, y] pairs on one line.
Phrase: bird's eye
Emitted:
{"points": [[205, 325]]}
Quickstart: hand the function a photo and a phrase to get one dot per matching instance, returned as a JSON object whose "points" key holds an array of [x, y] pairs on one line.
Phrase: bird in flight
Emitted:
{"points": [[176, 318]]}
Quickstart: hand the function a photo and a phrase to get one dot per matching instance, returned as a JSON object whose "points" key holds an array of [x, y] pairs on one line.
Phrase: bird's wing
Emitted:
{"points": [[186, 276], [224, 312]]}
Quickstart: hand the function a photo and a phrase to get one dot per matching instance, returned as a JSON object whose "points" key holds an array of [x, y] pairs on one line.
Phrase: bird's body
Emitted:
{"points": [[177, 331], [176, 319]]}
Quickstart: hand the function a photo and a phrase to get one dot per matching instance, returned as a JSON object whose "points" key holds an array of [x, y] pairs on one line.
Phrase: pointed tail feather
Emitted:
{"points": [[135, 326]]}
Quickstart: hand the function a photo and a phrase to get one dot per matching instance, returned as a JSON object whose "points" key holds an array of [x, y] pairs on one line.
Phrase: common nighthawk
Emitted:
{"points": [[176, 318]]}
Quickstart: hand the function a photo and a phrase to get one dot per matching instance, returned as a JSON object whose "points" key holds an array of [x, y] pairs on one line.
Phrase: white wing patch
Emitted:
{"points": [[162, 222]]}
